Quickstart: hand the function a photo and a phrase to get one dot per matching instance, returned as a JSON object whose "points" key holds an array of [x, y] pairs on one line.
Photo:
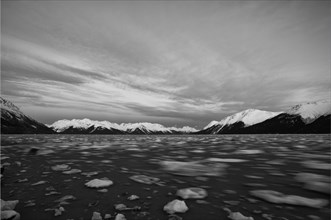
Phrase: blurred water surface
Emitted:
{"points": [[229, 167]]}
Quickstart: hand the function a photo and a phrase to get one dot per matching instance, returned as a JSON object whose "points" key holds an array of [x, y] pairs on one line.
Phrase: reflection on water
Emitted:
{"points": [[257, 176]]}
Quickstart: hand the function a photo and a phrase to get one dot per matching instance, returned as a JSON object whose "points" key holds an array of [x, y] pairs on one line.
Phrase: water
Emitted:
{"points": [[229, 167]]}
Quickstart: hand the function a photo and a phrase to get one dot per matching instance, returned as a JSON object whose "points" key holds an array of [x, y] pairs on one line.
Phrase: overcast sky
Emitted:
{"points": [[170, 62]]}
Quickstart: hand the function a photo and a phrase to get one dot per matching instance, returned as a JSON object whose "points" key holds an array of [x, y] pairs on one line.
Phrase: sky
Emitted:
{"points": [[171, 62]]}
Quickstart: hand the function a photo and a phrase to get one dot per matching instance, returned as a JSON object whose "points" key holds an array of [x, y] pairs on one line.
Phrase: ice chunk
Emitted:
{"points": [[96, 216], [99, 183], [175, 206], [8, 205], [38, 183], [192, 193], [120, 216], [314, 164], [193, 168], [133, 197], [10, 214], [239, 216], [278, 198], [72, 171], [315, 182], [226, 160], [61, 167], [144, 179]]}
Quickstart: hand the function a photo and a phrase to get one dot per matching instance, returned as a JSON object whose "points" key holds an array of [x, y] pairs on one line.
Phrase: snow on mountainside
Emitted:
{"points": [[311, 110], [7, 106], [248, 117], [13, 121], [145, 127]]}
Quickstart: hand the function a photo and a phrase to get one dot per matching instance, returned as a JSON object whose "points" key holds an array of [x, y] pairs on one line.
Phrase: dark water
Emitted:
{"points": [[228, 167]]}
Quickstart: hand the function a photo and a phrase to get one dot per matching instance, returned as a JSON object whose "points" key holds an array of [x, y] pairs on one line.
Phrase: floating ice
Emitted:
{"points": [[10, 215], [8, 205], [226, 160], [239, 216], [96, 216], [98, 183], [192, 193], [38, 183], [315, 182], [175, 206], [120, 216], [278, 198], [314, 164], [133, 197], [72, 171], [61, 167], [144, 179], [247, 151], [193, 168]]}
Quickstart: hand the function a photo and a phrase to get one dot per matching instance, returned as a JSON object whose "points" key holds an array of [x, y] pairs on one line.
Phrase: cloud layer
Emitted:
{"points": [[174, 63]]}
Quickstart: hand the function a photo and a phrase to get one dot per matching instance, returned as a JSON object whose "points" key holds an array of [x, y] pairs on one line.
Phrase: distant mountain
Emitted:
{"points": [[87, 126], [238, 121], [13, 121], [310, 111], [310, 117]]}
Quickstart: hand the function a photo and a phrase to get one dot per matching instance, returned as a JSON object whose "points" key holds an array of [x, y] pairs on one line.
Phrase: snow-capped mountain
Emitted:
{"points": [[310, 117], [13, 121], [239, 120], [310, 111], [92, 126]]}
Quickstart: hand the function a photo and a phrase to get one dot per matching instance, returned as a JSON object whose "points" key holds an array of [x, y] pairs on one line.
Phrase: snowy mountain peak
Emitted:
{"points": [[248, 117], [5, 104], [145, 127], [310, 111]]}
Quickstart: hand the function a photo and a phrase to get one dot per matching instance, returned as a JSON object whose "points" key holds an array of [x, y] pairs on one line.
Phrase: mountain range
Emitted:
{"points": [[310, 117]]}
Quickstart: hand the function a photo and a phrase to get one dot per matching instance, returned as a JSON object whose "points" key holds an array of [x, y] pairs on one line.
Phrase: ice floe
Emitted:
{"points": [[144, 179], [192, 193], [39, 183], [239, 216], [226, 160], [314, 164], [120, 216], [175, 206], [133, 197], [72, 171], [61, 167], [96, 216], [7, 210], [99, 183], [315, 182], [279, 198], [193, 168]]}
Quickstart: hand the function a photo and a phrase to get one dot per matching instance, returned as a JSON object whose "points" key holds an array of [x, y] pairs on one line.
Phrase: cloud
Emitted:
{"points": [[163, 61]]}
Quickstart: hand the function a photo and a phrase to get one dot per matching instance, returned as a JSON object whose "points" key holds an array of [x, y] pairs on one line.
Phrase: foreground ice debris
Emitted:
{"points": [[120, 216], [99, 183], [8, 205], [175, 206], [96, 216], [193, 168], [72, 171], [133, 197], [192, 193], [144, 179], [313, 164], [278, 198], [61, 167], [239, 216], [315, 182], [7, 211], [58, 211]]}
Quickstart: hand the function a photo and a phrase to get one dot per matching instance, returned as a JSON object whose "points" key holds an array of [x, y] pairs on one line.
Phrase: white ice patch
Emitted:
{"points": [[280, 198]]}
